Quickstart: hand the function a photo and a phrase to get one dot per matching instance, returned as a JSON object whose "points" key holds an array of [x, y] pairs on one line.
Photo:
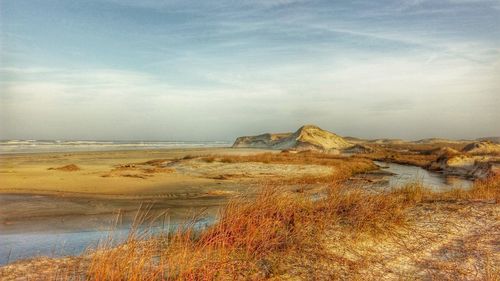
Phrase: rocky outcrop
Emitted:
{"points": [[307, 137]]}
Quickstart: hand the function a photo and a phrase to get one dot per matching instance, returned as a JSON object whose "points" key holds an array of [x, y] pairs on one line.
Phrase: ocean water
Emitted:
{"points": [[38, 146]]}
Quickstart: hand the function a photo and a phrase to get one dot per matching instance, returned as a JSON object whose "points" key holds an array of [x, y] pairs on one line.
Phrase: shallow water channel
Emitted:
{"points": [[405, 174], [54, 239], [17, 246]]}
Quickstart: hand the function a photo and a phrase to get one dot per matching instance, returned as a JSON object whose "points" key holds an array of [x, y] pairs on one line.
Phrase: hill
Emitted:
{"points": [[308, 137]]}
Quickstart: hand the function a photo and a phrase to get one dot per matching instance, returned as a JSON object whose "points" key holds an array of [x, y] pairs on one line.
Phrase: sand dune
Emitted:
{"points": [[308, 137], [482, 148], [476, 160]]}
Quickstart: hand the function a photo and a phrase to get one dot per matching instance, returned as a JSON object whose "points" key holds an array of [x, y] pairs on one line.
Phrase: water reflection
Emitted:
{"points": [[57, 243], [404, 174]]}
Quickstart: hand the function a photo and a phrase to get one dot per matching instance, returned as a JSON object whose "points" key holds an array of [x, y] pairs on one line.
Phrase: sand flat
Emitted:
{"points": [[31, 173]]}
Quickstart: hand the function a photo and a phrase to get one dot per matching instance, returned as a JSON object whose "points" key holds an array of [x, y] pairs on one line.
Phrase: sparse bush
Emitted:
{"points": [[412, 192]]}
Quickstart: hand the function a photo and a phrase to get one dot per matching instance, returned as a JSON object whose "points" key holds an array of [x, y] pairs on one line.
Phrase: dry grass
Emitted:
{"points": [[306, 157], [133, 261], [251, 236], [418, 147], [482, 190], [414, 193], [487, 189], [248, 231]]}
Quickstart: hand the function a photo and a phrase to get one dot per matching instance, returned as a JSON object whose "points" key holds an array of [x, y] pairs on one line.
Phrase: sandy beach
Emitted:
{"points": [[37, 194]]}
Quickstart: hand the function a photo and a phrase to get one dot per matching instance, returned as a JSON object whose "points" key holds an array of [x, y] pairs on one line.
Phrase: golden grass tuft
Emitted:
{"points": [[133, 261], [486, 189], [413, 192]]}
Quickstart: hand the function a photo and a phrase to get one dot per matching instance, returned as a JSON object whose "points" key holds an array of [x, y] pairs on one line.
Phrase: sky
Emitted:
{"points": [[215, 70]]}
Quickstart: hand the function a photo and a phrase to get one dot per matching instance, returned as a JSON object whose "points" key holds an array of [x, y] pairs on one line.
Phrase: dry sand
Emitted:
{"points": [[445, 241]]}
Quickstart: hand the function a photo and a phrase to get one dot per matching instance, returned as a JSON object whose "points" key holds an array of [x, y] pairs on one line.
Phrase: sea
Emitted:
{"points": [[41, 146]]}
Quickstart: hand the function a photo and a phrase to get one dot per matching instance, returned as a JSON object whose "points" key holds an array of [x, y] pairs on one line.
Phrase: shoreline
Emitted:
{"points": [[148, 150]]}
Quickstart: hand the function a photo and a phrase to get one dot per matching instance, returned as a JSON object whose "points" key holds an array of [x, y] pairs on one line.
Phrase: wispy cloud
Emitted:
{"points": [[159, 69]]}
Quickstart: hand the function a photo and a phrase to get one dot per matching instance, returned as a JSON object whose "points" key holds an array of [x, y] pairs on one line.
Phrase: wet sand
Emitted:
{"points": [[45, 213]]}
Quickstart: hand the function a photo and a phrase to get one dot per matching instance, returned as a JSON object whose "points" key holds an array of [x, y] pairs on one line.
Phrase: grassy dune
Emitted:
{"points": [[342, 167]]}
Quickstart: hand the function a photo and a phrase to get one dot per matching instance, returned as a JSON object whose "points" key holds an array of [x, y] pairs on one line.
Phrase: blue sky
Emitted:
{"points": [[208, 70]]}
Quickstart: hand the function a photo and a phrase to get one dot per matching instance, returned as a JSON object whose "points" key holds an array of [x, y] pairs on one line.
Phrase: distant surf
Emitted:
{"points": [[38, 146]]}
